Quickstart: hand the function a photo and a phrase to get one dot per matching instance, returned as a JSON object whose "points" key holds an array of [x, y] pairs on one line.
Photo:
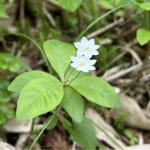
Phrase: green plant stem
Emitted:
{"points": [[147, 21], [36, 45], [66, 75], [97, 20], [75, 77], [3, 40], [32, 127], [114, 141], [41, 132]]}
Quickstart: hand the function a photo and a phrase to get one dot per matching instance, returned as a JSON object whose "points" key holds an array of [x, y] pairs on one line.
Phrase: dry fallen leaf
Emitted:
{"points": [[115, 143], [136, 116], [6, 146]]}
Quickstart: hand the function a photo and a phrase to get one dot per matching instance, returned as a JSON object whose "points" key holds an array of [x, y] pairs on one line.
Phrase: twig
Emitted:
{"points": [[97, 20], [134, 54], [22, 16], [48, 15], [123, 53], [74, 146], [131, 51], [108, 27], [123, 72], [109, 76]]}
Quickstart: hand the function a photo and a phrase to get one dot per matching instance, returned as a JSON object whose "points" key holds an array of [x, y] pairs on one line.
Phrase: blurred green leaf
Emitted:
{"points": [[111, 4], [6, 113], [3, 13], [10, 63], [128, 133], [11, 1], [70, 5], [2, 118], [139, 1], [5, 95], [145, 5], [106, 4], [143, 36]]}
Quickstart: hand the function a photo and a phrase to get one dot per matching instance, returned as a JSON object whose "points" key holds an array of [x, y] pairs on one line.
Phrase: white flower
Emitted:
{"points": [[86, 47], [82, 63]]}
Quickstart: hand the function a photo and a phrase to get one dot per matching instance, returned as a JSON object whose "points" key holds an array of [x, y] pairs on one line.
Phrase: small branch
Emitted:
{"points": [[48, 15], [108, 27], [74, 146], [96, 21], [22, 16], [122, 72]]}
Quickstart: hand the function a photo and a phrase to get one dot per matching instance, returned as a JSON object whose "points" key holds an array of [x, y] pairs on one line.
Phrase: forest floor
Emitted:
{"points": [[122, 62]]}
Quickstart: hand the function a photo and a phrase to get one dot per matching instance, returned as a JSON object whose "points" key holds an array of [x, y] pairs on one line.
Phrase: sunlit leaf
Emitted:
{"points": [[59, 55], [73, 104], [38, 97], [96, 90]]}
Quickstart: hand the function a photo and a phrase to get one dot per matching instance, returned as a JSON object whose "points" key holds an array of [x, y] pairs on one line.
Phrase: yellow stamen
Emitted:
{"points": [[86, 49], [82, 64]]}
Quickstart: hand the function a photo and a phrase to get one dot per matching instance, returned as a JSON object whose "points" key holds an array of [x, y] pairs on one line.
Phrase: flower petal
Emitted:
{"points": [[77, 44], [91, 41], [92, 62], [73, 58], [96, 47], [95, 52], [92, 68], [84, 40], [80, 52]]}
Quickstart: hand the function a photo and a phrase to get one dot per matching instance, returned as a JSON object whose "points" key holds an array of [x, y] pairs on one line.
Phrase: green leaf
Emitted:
{"points": [[83, 133], [6, 113], [143, 36], [145, 5], [106, 4], [5, 95], [3, 119], [10, 63], [70, 5], [38, 97], [53, 121], [138, 1], [59, 55], [3, 13], [25, 78], [11, 1], [73, 104], [96, 90]]}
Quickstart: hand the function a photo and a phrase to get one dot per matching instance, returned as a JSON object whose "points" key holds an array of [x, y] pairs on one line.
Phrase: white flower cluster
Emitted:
{"points": [[85, 50]]}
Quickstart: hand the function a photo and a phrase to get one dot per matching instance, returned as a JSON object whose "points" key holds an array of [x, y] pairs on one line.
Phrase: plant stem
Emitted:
{"points": [[3, 40], [74, 77], [32, 127], [114, 141], [97, 20], [37, 46], [69, 73], [147, 16], [40, 133]]}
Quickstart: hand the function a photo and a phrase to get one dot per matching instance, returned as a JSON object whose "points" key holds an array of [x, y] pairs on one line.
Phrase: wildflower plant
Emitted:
{"points": [[67, 89]]}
